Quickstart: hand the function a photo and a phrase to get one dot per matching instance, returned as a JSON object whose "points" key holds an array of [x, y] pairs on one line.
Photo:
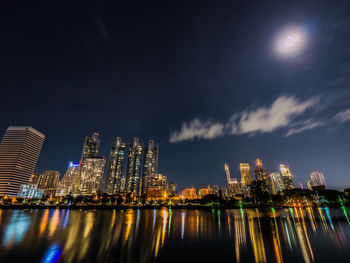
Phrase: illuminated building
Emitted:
{"points": [[91, 146], [30, 191], [133, 182], [260, 185], [48, 181], [276, 183], [19, 152], [150, 161], [317, 179], [154, 182], [91, 173], [70, 180], [246, 179], [189, 193], [172, 189], [115, 167], [34, 178], [287, 177], [309, 186], [224, 192], [205, 191], [216, 190], [232, 183]]}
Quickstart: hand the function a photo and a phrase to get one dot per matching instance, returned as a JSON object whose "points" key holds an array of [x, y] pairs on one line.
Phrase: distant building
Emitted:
{"points": [[30, 191], [19, 152], [276, 183], [70, 181], [172, 189], [34, 179], [189, 193], [216, 190], [287, 177], [155, 182], [48, 181], [205, 191], [91, 146], [246, 179], [150, 161], [133, 180], [317, 179], [233, 185], [224, 192], [91, 173], [260, 187], [115, 167]]}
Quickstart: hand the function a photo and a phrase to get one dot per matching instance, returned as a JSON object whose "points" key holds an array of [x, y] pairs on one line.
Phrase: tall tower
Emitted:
{"points": [[91, 146], [48, 181], [19, 152], [276, 183], [246, 179], [91, 173], [287, 177], [68, 184], [133, 182], [233, 185], [260, 186], [150, 161], [115, 167]]}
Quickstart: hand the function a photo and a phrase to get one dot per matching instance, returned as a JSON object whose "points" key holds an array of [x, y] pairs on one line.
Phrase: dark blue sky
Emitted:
{"points": [[204, 79]]}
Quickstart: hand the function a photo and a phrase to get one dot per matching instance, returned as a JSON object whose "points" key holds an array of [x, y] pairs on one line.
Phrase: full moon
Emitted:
{"points": [[290, 42]]}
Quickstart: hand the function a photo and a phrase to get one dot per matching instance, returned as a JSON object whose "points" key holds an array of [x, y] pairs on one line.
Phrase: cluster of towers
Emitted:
{"points": [[263, 184], [85, 177]]}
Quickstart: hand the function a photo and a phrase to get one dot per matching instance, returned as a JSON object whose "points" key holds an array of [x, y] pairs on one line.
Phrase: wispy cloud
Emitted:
{"points": [[304, 126], [342, 116], [280, 114], [197, 130]]}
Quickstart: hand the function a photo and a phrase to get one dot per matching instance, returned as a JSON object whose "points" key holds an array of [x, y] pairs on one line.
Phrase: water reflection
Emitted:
{"points": [[240, 235]]}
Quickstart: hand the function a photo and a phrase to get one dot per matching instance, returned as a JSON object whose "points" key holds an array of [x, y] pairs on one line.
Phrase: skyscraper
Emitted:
{"points": [[232, 183], [91, 146], [172, 189], [91, 173], [70, 180], [133, 178], [150, 161], [48, 181], [276, 183], [260, 184], [115, 167], [34, 178], [246, 179], [317, 179], [155, 185], [287, 177], [19, 152]]}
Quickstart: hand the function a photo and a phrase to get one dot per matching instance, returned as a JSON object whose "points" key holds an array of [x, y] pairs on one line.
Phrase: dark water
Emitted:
{"points": [[246, 235]]}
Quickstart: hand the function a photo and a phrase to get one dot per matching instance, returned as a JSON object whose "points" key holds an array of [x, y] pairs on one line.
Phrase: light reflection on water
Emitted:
{"points": [[173, 235]]}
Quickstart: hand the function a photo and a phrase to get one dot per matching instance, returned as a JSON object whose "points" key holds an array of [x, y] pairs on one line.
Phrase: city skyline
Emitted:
{"points": [[210, 83]]}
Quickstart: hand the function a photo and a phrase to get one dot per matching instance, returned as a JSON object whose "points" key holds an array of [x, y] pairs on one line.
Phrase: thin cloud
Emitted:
{"points": [[197, 130], [280, 114], [342, 116], [307, 125]]}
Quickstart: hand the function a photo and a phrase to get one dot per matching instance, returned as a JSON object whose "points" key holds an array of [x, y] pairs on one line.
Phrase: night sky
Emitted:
{"points": [[205, 79]]}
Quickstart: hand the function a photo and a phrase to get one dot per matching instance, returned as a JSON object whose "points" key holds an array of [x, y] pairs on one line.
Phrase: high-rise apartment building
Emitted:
{"points": [[172, 189], [133, 180], [70, 180], [91, 173], [19, 152], [155, 182], [276, 183], [91, 146], [115, 167], [48, 181], [287, 177], [246, 179], [150, 161], [233, 185], [260, 185], [317, 179]]}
